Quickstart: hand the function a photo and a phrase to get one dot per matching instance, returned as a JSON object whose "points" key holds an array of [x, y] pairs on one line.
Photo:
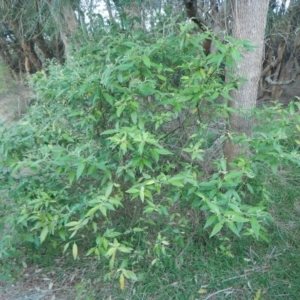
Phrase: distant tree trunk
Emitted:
{"points": [[39, 40], [29, 52], [67, 22], [249, 22], [28, 49], [59, 49], [192, 12]]}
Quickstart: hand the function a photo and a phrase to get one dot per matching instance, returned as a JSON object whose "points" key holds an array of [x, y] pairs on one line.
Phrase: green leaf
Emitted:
{"points": [[119, 110], [44, 234], [108, 190], [210, 185], [124, 249], [103, 210], [80, 169], [109, 131], [163, 151], [236, 55], [236, 217], [134, 117], [255, 226], [161, 77], [216, 229], [108, 98], [146, 61], [110, 233], [211, 220], [72, 176], [176, 182], [214, 208], [132, 190], [232, 227], [292, 108], [129, 275], [66, 246], [72, 224], [142, 194], [92, 250], [111, 251], [250, 189], [62, 234], [75, 251], [92, 211], [148, 210]]}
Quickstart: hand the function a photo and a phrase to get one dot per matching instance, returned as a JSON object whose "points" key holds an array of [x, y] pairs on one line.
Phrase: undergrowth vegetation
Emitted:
{"points": [[120, 157]]}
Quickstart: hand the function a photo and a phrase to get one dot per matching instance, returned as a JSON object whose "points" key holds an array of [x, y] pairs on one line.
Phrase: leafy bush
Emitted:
{"points": [[110, 159]]}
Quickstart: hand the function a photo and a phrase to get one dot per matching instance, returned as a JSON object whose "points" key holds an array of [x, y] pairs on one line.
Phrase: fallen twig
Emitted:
{"points": [[218, 292]]}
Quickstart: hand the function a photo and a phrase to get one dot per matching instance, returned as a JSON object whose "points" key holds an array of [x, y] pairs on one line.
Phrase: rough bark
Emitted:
{"points": [[59, 49], [39, 40], [28, 49], [67, 22], [249, 23], [31, 54]]}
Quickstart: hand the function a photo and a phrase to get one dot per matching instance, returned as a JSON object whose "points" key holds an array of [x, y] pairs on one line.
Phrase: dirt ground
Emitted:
{"points": [[13, 103]]}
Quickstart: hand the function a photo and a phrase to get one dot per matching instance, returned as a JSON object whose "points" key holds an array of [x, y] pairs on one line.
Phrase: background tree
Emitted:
{"points": [[249, 22], [282, 44]]}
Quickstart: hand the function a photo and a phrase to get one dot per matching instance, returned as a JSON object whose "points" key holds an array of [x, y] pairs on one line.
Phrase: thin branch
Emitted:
{"points": [[218, 292], [287, 82]]}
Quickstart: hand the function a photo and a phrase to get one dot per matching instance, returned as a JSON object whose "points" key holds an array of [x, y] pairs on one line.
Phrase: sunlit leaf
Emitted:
{"points": [[146, 61], [122, 282], [44, 234], [75, 251], [202, 291]]}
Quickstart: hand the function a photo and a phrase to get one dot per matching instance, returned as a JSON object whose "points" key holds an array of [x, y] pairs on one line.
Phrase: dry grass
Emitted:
{"points": [[13, 104]]}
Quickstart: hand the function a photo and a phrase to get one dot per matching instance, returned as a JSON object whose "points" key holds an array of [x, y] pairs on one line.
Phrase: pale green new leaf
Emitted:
{"points": [[75, 251], [44, 234], [146, 61]]}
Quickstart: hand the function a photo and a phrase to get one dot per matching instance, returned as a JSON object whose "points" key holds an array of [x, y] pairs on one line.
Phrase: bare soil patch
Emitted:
{"points": [[14, 103]]}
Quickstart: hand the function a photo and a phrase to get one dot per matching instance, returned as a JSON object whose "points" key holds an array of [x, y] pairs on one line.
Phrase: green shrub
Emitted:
{"points": [[109, 160]]}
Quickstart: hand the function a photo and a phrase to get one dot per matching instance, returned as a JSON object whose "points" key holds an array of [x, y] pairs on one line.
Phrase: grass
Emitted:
{"points": [[200, 274]]}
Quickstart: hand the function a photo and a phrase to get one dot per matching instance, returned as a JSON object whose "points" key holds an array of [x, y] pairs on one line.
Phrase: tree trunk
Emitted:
{"points": [[249, 23], [39, 40], [32, 56], [67, 22]]}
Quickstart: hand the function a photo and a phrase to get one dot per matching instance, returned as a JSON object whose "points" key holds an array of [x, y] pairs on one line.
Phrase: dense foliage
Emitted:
{"points": [[120, 154]]}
